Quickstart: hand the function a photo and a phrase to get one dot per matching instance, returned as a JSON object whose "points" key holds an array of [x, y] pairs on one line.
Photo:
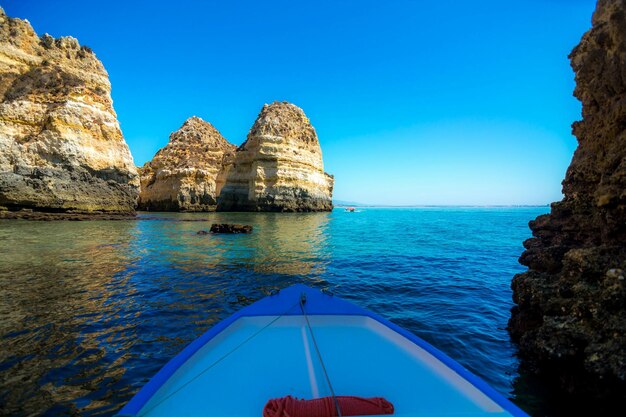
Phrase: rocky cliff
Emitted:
{"points": [[279, 167], [61, 147], [188, 173], [570, 319]]}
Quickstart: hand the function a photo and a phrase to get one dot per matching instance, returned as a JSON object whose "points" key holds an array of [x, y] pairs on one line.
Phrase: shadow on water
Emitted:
{"points": [[543, 395]]}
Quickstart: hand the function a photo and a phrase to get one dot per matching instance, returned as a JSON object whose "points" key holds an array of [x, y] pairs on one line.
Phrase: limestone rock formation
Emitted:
{"points": [[279, 167], [61, 147], [570, 318], [188, 173]]}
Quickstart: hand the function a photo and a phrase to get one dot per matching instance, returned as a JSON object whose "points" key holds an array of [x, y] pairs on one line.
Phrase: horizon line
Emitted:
{"points": [[437, 205]]}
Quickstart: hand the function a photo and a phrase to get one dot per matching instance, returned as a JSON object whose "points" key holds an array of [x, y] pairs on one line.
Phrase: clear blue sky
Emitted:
{"points": [[415, 102]]}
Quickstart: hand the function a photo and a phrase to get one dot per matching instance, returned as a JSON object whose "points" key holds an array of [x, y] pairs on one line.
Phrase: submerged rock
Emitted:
{"points": [[279, 167], [570, 318], [230, 228], [188, 173], [61, 147]]}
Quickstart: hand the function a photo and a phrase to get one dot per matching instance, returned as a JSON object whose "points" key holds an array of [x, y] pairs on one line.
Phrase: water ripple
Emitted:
{"points": [[91, 310]]}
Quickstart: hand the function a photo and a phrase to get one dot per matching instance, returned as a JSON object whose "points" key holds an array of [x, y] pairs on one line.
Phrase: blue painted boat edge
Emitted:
{"points": [[264, 306], [317, 303], [343, 307], [477, 382], [152, 386]]}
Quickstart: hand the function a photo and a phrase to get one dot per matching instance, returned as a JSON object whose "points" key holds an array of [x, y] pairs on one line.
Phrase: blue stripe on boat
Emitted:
{"points": [[364, 353]]}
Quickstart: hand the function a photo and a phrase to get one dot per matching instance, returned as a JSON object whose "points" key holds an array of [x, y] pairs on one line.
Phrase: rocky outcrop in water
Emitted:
{"points": [[279, 167], [230, 228], [61, 147], [570, 319], [188, 173]]}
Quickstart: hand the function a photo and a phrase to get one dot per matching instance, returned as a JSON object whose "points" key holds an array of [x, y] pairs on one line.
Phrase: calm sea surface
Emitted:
{"points": [[89, 311]]}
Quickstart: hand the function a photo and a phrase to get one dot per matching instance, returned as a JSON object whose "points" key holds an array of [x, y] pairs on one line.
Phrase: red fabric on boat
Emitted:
{"points": [[325, 407]]}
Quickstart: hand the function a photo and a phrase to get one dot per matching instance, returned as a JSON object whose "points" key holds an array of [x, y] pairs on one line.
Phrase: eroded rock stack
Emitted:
{"points": [[61, 147], [570, 318], [279, 167], [188, 173]]}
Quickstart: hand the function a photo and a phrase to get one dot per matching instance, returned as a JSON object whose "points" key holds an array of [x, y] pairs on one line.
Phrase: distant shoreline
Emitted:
{"points": [[29, 214], [444, 206]]}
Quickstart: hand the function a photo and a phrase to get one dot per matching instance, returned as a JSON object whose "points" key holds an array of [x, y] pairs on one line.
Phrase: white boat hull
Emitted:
{"points": [[254, 358]]}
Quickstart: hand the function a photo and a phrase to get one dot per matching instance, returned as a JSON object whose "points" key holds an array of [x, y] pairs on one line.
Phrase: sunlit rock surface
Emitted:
{"points": [[570, 318], [61, 147], [279, 167], [188, 173]]}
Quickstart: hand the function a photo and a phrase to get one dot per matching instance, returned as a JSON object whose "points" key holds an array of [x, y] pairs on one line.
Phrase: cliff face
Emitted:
{"points": [[570, 317], [279, 167], [188, 173], [61, 147]]}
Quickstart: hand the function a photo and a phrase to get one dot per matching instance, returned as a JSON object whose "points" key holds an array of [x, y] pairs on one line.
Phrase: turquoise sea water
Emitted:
{"points": [[90, 310]]}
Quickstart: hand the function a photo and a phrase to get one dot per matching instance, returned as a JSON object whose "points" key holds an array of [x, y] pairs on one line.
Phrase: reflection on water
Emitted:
{"points": [[82, 303], [62, 289], [292, 244], [91, 310]]}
